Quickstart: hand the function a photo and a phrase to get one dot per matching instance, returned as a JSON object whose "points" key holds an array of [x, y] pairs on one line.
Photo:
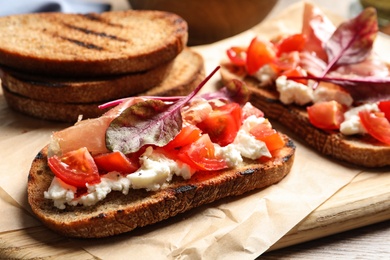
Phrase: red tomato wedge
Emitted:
{"points": [[187, 135], [237, 55], [295, 72], [200, 155], [376, 125], [259, 53], [294, 42], [268, 135], [326, 115], [286, 61], [76, 168], [223, 123], [116, 161], [384, 106]]}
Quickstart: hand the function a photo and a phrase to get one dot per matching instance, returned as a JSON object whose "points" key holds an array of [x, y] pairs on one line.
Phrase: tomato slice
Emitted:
{"points": [[76, 168], [200, 155], [295, 42], [384, 106], [286, 61], [116, 161], [237, 55], [187, 135], [259, 53], [295, 72], [268, 135], [376, 125], [326, 115], [223, 123]]}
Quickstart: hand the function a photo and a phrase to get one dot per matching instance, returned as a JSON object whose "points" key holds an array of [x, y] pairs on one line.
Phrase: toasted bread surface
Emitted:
{"points": [[185, 73], [119, 213], [115, 42], [358, 150]]}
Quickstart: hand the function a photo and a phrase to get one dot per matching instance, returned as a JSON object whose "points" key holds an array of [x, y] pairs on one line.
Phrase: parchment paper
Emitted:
{"points": [[233, 228]]}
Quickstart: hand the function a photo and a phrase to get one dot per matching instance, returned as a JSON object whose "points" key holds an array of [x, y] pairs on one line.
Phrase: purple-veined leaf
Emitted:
{"points": [[152, 122], [352, 41]]}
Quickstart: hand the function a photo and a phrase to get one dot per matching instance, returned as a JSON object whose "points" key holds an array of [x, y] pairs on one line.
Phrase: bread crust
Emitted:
{"points": [[185, 73], [120, 213], [117, 42], [70, 90], [362, 151]]}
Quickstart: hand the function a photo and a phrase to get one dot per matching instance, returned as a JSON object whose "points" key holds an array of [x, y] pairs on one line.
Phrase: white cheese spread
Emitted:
{"points": [[293, 92], [352, 124], [266, 75]]}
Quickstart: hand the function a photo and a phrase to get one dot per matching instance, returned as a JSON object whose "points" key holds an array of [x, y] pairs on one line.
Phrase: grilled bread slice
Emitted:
{"points": [[117, 42], [119, 213], [70, 90], [186, 72], [358, 150]]}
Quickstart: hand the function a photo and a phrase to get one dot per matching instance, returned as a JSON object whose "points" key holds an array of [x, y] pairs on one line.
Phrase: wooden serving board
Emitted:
{"points": [[366, 200]]}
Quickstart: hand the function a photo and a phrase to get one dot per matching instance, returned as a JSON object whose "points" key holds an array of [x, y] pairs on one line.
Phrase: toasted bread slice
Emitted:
{"points": [[116, 42], [119, 213], [363, 151], [89, 90], [186, 72]]}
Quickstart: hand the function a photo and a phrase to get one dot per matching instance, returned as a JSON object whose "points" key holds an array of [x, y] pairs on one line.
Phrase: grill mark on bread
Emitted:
{"points": [[97, 18], [247, 172], [185, 188], [83, 44], [91, 32]]}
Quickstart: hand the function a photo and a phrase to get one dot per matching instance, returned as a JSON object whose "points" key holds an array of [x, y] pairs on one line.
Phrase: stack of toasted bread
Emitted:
{"points": [[58, 66]]}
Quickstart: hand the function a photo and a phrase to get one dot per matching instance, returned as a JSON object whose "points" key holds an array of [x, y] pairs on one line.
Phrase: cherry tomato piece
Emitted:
{"points": [[269, 136], [259, 53], [295, 42], [295, 72], [223, 123], [76, 168], [237, 55], [286, 61], [326, 115], [200, 155], [376, 125], [115, 161], [187, 135], [384, 106]]}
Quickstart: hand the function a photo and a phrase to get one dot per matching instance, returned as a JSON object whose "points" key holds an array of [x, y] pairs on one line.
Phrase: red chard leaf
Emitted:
{"points": [[350, 60], [148, 122], [152, 122], [352, 41]]}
